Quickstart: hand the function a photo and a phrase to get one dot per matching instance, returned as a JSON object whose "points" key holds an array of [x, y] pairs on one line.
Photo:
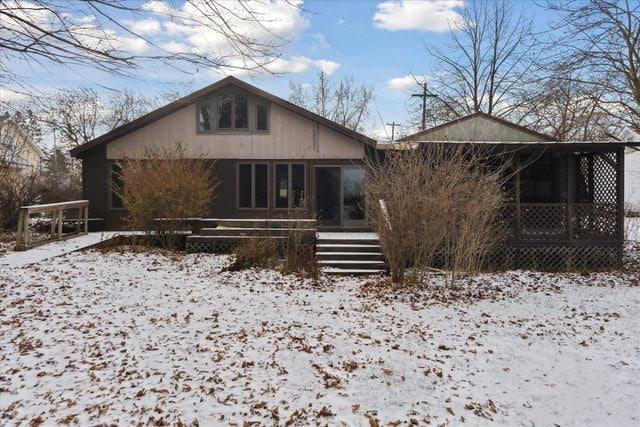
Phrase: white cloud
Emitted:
{"points": [[175, 47], [435, 15], [329, 67], [300, 64], [8, 95], [144, 26], [340, 21], [405, 82], [320, 42]]}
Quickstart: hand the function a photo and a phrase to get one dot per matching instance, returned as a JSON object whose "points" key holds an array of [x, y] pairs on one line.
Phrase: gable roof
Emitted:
{"points": [[6, 120], [197, 95], [479, 114]]}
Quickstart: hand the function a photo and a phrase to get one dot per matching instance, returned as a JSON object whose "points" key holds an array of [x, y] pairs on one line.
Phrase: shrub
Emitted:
{"points": [[255, 252], [299, 255], [164, 188], [437, 205], [16, 189]]}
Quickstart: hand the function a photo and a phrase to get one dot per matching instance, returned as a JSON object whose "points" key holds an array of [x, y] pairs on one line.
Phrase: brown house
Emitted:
{"points": [[268, 152], [567, 198]]}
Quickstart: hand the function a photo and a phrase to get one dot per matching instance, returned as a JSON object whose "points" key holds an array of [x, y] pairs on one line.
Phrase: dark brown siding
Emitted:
{"points": [[94, 184]]}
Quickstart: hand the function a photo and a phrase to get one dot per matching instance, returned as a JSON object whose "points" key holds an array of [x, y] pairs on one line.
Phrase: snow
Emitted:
{"points": [[352, 235], [125, 336], [632, 178], [9, 258]]}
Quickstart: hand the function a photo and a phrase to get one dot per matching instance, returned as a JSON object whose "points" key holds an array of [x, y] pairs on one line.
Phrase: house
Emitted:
{"points": [[17, 151], [567, 198], [268, 154]]}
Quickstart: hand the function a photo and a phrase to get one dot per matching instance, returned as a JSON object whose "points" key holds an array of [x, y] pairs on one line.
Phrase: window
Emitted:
{"points": [[224, 111], [241, 112], [253, 188], [262, 117], [232, 112], [204, 121], [290, 180], [116, 182]]}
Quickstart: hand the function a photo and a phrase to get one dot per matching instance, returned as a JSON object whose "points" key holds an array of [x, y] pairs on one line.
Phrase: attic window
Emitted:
{"points": [[232, 111]]}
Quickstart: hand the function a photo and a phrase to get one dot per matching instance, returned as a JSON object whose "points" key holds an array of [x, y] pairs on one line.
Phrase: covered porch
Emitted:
{"points": [[566, 206]]}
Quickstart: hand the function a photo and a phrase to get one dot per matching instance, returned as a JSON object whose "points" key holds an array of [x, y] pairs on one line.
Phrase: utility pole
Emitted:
{"points": [[393, 129], [424, 95]]}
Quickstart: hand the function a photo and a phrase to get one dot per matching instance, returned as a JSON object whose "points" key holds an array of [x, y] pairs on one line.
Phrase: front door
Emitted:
{"points": [[353, 212], [327, 181], [339, 196]]}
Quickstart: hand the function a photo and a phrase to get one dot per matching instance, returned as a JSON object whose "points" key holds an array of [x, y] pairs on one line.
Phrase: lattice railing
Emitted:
{"points": [[543, 222], [554, 222], [597, 221]]}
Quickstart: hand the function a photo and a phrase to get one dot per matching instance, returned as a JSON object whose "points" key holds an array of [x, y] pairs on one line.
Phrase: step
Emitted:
{"points": [[352, 271], [230, 239], [347, 241], [256, 223], [341, 247], [350, 256], [353, 264], [306, 233]]}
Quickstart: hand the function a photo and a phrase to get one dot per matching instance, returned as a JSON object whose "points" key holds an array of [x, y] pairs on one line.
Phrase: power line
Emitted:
{"points": [[424, 95], [393, 129]]}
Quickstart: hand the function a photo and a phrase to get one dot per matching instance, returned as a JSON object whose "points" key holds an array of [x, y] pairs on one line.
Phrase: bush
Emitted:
{"points": [[16, 189], [255, 252], [435, 206], [299, 254], [165, 184]]}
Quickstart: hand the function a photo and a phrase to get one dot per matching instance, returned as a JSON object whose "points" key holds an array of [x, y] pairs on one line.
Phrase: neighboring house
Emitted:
{"points": [[17, 151], [268, 153], [631, 170], [567, 203]]}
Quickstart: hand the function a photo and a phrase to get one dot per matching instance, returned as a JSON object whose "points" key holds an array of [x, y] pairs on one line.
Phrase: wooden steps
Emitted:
{"points": [[350, 254]]}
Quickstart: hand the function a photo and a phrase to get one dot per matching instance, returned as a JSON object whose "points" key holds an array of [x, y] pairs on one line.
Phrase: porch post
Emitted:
{"points": [[571, 180], [518, 208], [620, 201]]}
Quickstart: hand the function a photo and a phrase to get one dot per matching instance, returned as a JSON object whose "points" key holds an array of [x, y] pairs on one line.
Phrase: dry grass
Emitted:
{"points": [[166, 184], [436, 206], [299, 258], [259, 252]]}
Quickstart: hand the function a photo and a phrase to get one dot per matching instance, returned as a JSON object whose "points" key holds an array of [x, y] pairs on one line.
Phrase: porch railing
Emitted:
{"points": [[552, 222], [56, 211]]}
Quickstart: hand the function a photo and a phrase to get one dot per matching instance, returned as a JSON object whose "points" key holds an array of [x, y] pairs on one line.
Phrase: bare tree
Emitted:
{"points": [[566, 107], [489, 56], [125, 106], [343, 101], [104, 35], [603, 39], [75, 116]]}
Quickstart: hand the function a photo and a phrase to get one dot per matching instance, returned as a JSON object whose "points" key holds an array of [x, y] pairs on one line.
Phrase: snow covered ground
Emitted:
{"points": [[121, 337]]}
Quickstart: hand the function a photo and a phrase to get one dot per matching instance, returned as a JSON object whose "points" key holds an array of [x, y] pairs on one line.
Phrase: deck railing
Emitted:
{"points": [[569, 222], [56, 211]]}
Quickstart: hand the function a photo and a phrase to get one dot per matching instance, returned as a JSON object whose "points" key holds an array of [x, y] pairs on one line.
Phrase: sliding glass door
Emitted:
{"points": [[339, 196]]}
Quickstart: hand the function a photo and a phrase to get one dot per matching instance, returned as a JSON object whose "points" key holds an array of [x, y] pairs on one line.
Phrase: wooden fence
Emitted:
{"points": [[57, 211]]}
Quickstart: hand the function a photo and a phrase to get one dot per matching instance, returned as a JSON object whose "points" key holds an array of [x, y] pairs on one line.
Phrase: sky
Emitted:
{"points": [[378, 43]]}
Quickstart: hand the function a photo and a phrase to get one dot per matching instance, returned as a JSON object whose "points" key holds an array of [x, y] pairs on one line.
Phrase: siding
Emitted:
{"points": [[291, 136], [479, 129]]}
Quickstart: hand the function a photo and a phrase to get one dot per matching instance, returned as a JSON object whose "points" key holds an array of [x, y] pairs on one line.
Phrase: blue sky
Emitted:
{"points": [[376, 42]]}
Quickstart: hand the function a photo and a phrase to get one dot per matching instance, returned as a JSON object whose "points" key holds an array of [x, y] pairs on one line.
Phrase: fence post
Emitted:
{"points": [[20, 244], [86, 219], [52, 230], [60, 224]]}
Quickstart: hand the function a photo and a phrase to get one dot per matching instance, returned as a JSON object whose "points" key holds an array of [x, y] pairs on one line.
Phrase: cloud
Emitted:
{"points": [[144, 26], [8, 95], [293, 65], [340, 21], [435, 15], [301, 64], [405, 82], [329, 67], [320, 42]]}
